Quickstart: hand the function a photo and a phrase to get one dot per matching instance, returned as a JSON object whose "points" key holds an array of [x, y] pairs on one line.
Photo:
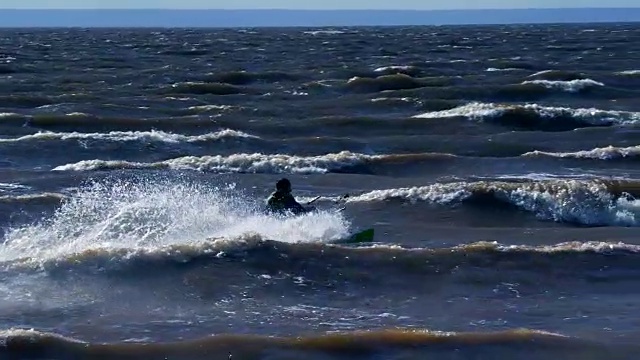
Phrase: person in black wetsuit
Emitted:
{"points": [[281, 201]]}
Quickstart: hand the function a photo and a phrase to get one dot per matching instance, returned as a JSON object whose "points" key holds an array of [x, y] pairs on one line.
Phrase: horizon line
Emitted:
{"points": [[317, 9]]}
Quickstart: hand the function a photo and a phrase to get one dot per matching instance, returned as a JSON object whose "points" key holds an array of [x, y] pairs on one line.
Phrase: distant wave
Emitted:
{"points": [[198, 109], [605, 153], [392, 101], [518, 343], [245, 77], [558, 76], [324, 32], [629, 72], [568, 86], [536, 116], [89, 122], [492, 69], [398, 69], [201, 88], [344, 161], [7, 116], [4, 187], [395, 81], [151, 136]]}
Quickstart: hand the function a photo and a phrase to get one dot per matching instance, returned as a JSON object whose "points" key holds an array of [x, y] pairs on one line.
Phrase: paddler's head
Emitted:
{"points": [[283, 185]]}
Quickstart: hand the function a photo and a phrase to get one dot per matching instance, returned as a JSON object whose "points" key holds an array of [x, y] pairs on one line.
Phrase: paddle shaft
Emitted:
{"points": [[314, 200], [342, 198]]}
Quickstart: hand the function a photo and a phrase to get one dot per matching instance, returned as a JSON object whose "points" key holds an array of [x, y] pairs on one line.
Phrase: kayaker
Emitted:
{"points": [[281, 201]]}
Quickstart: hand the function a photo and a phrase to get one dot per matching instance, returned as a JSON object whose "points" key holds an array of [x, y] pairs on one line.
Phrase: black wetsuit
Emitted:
{"points": [[281, 202]]}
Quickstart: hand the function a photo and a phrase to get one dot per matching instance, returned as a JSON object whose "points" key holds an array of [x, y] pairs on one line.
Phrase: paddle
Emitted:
{"points": [[314, 200], [340, 199]]}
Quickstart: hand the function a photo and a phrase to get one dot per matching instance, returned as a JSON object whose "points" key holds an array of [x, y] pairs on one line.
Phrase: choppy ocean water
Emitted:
{"points": [[497, 165]]}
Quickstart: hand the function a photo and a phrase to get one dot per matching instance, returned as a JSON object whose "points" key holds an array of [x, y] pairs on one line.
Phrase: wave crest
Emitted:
{"points": [[605, 153], [537, 117], [593, 203], [121, 136]]}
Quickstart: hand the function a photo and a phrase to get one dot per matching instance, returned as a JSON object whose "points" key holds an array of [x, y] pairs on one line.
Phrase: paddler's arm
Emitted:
{"points": [[295, 206]]}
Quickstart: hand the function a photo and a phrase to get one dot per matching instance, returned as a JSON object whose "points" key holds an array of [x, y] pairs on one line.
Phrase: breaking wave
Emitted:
{"points": [[534, 116], [604, 153], [149, 136], [592, 203], [572, 86], [261, 163]]}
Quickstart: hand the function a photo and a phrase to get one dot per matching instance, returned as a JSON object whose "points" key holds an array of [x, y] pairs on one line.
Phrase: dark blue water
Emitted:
{"points": [[497, 165]]}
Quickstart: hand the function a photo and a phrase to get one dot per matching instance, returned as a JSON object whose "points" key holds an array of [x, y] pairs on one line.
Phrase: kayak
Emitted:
{"points": [[361, 237], [364, 236]]}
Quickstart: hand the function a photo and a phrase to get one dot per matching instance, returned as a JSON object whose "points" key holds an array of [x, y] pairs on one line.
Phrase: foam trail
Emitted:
{"points": [[148, 215]]}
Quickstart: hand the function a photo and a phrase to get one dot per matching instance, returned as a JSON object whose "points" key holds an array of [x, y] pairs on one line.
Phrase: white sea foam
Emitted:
{"points": [[605, 153], [628, 72], [202, 108], [568, 86], [5, 115], [149, 136], [584, 202], [384, 69], [482, 111], [473, 110], [437, 193], [323, 32], [239, 163], [492, 69]]}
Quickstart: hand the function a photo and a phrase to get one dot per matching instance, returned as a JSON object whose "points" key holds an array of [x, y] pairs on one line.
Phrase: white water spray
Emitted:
{"points": [[149, 215]]}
